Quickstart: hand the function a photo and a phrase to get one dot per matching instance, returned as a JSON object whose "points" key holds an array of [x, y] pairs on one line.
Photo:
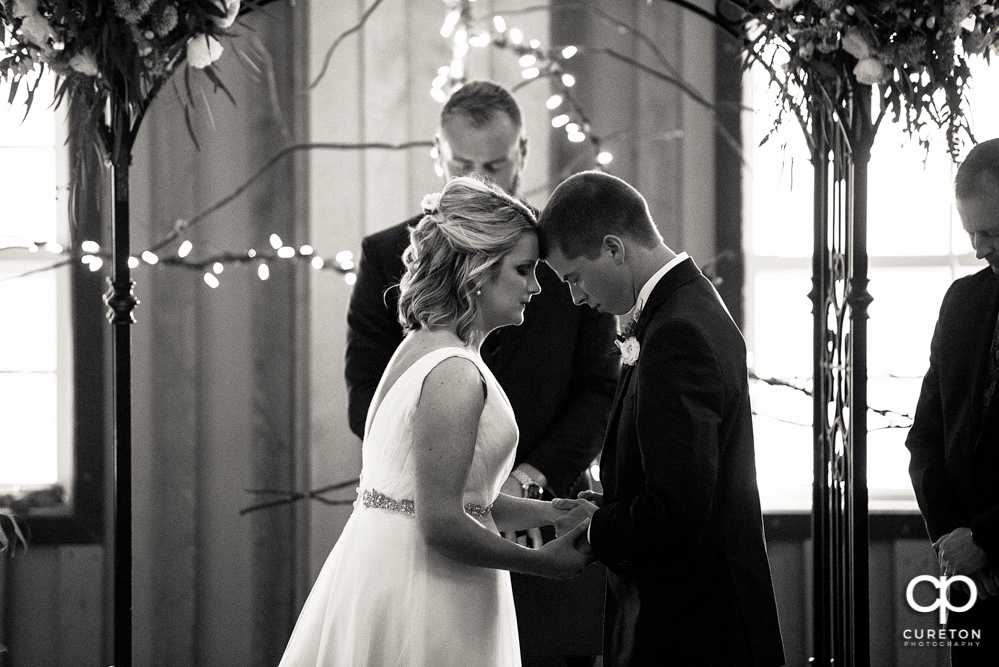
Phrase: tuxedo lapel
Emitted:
{"points": [[676, 277]]}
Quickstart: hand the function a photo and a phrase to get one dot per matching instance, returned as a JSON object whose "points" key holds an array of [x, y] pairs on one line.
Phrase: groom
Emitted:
{"points": [[679, 525]]}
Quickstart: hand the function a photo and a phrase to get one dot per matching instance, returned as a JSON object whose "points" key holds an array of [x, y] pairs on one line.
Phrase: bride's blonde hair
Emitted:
{"points": [[455, 249]]}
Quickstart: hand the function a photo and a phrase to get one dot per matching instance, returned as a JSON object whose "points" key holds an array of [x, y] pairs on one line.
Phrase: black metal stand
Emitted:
{"points": [[841, 152], [121, 301]]}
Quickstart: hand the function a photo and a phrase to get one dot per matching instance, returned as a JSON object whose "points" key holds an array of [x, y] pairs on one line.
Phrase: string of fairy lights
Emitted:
{"points": [[536, 62]]}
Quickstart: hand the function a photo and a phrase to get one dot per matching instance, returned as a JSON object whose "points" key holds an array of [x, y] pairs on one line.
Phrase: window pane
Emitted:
{"points": [[28, 417], [28, 193], [908, 207], [782, 344], [28, 336]]}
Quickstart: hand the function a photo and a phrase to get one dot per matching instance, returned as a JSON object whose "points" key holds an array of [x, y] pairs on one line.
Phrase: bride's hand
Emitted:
{"points": [[563, 558]]}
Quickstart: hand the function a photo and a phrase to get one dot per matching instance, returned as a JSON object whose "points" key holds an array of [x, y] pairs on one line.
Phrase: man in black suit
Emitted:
{"points": [[679, 524], [556, 368], [954, 439]]}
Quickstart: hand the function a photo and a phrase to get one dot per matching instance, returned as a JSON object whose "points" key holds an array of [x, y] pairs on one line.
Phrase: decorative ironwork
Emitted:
{"points": [[121, 301], [840, 299]]}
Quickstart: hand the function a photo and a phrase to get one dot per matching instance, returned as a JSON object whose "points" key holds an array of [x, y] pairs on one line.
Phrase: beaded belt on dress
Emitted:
{"points": [[370, 498]]}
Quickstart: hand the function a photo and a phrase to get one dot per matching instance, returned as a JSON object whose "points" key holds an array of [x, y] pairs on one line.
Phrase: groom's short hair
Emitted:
{"points": [[586, 207]]}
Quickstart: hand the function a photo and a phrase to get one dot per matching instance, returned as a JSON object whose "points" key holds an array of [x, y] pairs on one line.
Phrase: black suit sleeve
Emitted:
{"points": [[373, 331], [577, 434], [676, 404], [938, 500]]}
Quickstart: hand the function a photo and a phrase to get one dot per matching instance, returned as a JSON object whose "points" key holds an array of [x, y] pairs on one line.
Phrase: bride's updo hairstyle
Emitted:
{"points": [[456, 248]]}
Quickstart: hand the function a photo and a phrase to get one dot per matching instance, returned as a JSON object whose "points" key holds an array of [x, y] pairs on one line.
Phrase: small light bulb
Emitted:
{"points": [[211, 280], [577, 137], [449, 23], [480, 40], [460, 49], [344, 256], [305, 250], [531, 73], [439, 81], [350, 278], [568, 80], [527, 60], [457, 69], [149, 257], [54, 248], [443, 71], [499, 24], [433, 152], [553, 101], [317, 262], [32, 247], [96, 263], [603, 157], [438, 95], [347, 266], [534, 43], [516, 36], [87, 259], [251, 253], [263, 271], [572, 127], [569, 52], [276, 241], [90, 246], [218, 267], [560, 120], [185, 249], [133, 262], [286, 252], [439, 170]]}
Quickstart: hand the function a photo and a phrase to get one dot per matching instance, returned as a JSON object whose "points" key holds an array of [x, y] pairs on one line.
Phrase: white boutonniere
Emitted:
{"points": [[626, 342], [629, 348]]}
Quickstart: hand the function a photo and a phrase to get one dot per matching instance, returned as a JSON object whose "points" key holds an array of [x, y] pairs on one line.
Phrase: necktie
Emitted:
{"points": [[993, 377]]}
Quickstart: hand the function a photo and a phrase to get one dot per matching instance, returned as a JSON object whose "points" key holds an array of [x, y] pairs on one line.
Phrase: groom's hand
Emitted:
{"points": [[573, 513]]}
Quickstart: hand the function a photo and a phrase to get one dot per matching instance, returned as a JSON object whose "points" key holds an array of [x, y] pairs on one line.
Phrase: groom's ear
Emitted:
{"points": [[615, 249]]}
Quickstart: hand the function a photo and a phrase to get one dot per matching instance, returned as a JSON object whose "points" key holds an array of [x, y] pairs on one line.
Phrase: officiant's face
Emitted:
{"points": [[504, 297], [980, 218], [495, 150], [597, 282]]}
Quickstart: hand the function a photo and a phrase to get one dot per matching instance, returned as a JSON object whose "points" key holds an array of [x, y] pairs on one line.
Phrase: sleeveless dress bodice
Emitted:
{"points": [[383, 597]]}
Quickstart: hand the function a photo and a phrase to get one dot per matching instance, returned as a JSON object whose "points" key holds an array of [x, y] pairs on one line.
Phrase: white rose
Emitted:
{"points": [[870, 71], [431, 202], [856, 44], [231, 9], [629, 350], [203, 50]]}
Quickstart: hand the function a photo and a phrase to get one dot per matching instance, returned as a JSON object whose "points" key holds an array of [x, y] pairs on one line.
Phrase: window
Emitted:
{"points": [[916, 246], [36, 342]]}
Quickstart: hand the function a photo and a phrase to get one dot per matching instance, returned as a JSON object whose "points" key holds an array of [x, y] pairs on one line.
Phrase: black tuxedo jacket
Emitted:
{"points": [[680, 528], [556, 368], [954, 442]]}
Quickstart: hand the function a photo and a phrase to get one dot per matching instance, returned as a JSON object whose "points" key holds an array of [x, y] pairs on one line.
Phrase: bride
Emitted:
{"points": [[419, 575]]}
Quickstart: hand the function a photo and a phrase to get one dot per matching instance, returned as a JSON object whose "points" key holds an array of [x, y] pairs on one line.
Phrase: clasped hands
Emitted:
{"points": [[958, 554], [572, 512]]}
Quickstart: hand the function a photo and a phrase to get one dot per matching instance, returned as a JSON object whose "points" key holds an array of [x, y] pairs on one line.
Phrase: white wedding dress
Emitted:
{"points": [[385, 599]]}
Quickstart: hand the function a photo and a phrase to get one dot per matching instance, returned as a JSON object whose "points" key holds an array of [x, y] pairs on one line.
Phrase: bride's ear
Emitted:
{"points": [[615, 248]]}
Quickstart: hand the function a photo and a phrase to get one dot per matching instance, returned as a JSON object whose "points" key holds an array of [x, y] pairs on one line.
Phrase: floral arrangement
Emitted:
{"points": [[123, 48], [913, 51]]}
